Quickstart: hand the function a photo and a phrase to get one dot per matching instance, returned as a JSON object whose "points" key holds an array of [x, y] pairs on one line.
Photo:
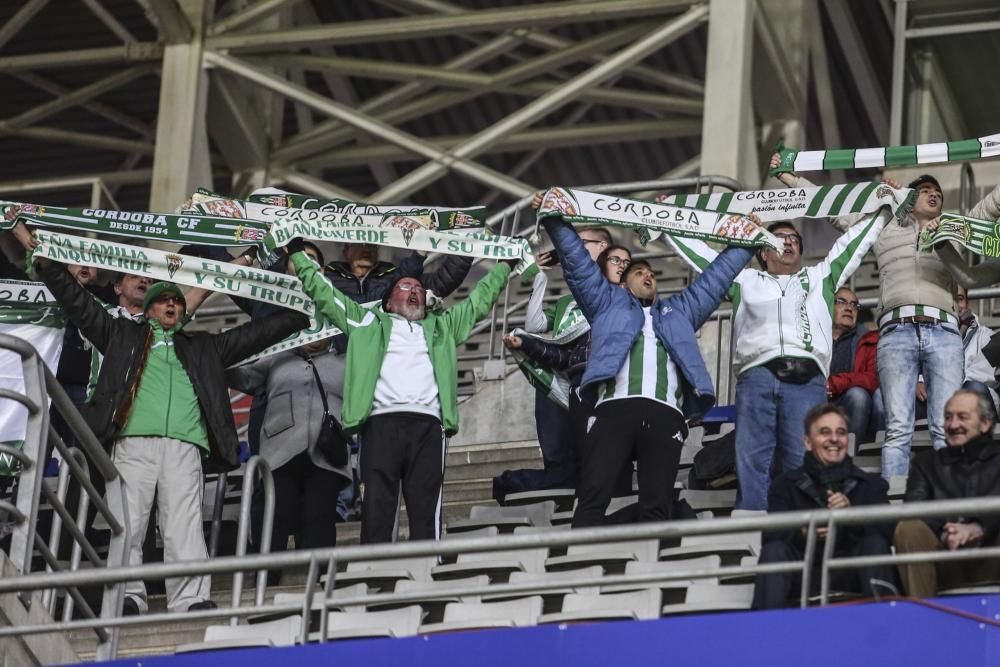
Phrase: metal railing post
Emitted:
{"points": [[828, 549], [222, 480], [255, 463]]}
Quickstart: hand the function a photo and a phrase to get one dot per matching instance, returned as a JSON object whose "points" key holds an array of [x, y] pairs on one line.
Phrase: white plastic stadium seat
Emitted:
{"points": [[634, 606], [522, 612], [383, 574], [705, 598], [672, 589], [552, 597], [563, 498], [497, 564], [402, 622], [282, 632], [720, 502], [612, 556]]}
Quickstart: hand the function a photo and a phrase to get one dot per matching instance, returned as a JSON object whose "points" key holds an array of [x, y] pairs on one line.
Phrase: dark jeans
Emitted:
{"points": [[865, 412], [556, 441], [773, 591]]}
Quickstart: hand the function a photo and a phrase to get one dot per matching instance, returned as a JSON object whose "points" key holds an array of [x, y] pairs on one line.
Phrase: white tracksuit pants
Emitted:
{"points": [[173, 467]]}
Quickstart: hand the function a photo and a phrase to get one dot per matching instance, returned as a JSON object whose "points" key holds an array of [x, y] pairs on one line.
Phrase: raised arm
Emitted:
{"points": [[704, 295], [246, 340], [463, 316], [584, 277], [81, 307], [536, 317], [331, 304], [449, 276], [693, 252], [847, 252]]}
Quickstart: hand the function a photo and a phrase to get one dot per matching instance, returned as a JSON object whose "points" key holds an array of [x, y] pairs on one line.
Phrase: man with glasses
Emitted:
{"points": [[400, 389], [782, 325], [853, 381]]}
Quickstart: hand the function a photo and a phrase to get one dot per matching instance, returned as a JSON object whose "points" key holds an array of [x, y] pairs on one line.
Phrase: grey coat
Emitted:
{"points": [[294, 406]]}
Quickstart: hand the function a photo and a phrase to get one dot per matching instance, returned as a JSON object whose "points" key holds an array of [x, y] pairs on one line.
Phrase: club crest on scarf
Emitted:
{"points": [[174, 263], [557, 199]]}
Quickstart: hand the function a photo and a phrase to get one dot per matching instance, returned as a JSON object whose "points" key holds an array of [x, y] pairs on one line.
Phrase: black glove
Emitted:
{"points": [[295, 245], [512, 263]]}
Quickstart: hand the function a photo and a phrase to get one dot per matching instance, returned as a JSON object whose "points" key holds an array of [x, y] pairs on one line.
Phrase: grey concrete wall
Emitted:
{"points": [[501, 411]]}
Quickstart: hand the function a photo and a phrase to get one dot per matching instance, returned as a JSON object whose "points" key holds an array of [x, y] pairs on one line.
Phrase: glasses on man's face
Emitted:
{"points": [[853, 305], [619, 261], [789, 236], [411, 287], [586, 241]]}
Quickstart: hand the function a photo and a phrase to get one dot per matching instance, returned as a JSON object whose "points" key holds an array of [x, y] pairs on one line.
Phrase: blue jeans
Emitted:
{"points": [[905, 351], [555, 438], [770, 417], [859, 406]]}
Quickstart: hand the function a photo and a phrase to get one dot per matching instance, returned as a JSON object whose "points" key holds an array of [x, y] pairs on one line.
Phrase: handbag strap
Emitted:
{"points": [[319, 384]]}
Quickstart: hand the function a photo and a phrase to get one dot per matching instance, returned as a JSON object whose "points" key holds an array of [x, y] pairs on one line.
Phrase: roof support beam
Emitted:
{"points": [[872, 96], [182, 161], [135, 52], [97, 108], [546, 40], [481, 83], [525, 140], [112, 24], [17, 21], [129, 177], [173, 24], [547, 103], [74, 98], [416, 27], [247, 16], [728, 145], [83, 139], [367, 124], [311, 185]]}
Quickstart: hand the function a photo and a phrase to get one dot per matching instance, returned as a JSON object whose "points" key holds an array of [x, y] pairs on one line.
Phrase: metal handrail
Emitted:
{"points": [[981, 506], [252, 466], [41, 387]]}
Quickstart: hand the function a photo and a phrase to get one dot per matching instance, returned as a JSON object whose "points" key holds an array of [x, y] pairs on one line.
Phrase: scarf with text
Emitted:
{"points": [[580, 206], [980, 236]]}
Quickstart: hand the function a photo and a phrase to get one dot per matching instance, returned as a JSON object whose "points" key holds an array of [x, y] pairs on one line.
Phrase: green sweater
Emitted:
{"points": [[368, 331], [165, 405]]}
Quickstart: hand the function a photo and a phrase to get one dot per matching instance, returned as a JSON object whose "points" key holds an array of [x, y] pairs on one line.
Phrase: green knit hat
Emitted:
{"points": [[156, 290]]}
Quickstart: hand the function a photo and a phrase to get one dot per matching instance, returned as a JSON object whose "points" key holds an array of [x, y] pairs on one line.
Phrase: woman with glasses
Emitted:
{"points": [[571, 359]]}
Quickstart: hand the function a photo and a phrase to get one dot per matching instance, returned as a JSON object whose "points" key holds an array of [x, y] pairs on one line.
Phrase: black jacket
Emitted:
{"points": [[443, 281], [795, 490], [958, 472], [203, 356], [571, 357]]}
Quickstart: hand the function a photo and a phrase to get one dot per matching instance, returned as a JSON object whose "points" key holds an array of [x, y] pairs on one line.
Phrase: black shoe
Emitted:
{"points": [[131, 608], [203, 605]]}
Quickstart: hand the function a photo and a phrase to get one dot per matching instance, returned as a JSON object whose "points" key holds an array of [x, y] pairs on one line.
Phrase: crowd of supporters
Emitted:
{"points": [[808, 375]]}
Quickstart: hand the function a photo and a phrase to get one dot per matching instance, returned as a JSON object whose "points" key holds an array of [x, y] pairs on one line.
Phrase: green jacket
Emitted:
{"points": [[165, 403], [368, 331]]}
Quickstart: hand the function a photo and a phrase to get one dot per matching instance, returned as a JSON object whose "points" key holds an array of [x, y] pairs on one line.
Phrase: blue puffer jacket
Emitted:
{"points": [[616, 317]]}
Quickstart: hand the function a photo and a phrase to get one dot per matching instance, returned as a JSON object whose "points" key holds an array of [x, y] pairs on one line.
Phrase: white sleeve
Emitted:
{"points": [[535, 320]]}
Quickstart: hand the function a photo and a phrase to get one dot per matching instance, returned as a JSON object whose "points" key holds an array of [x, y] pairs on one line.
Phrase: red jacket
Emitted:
{"points": [[865, 373]]}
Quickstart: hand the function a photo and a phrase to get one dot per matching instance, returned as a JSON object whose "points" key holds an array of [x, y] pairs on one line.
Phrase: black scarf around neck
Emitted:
{"points": [[829, 477]]}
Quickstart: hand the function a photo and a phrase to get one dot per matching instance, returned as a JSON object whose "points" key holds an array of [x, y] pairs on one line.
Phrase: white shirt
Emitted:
{"points": [[406, 381]]}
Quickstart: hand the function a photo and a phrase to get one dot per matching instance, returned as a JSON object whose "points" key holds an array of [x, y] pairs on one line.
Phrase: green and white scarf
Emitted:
{"points": [[570, 326], [649, 218], [826, 201], [980, 236], [449, 218], [398, 232], [170, 227], [275, 288], [793, 160], [30, 312]]}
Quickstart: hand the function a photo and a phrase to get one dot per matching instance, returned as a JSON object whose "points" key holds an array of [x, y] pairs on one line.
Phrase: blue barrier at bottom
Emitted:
{"points": [[886, 633]]}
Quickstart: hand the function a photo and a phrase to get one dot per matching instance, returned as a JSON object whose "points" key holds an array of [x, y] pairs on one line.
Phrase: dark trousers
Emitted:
{"points": [[774, 591], [655, 432], [305, 503], [555, 440], [402, 447]]}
